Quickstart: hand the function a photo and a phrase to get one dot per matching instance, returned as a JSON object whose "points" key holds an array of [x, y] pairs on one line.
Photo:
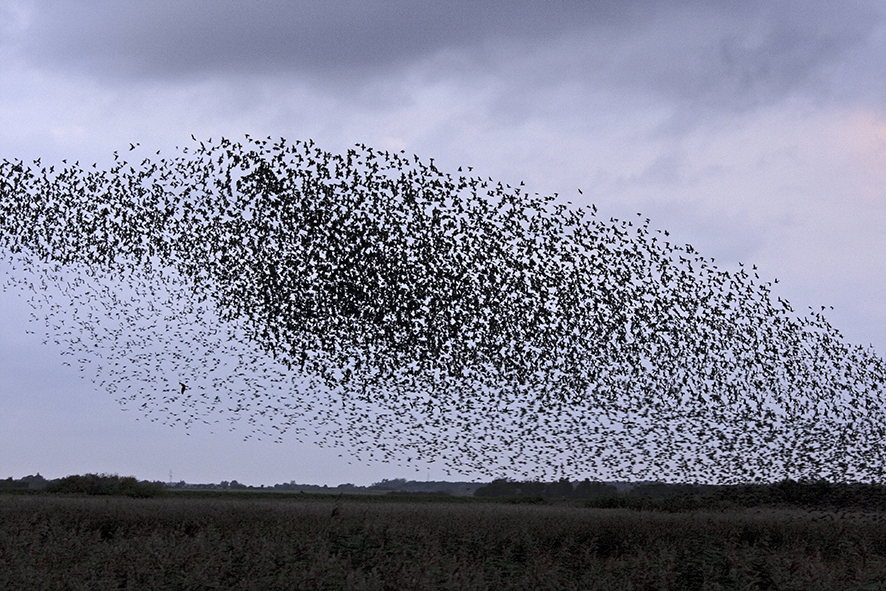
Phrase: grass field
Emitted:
{"points": [[66, 542]]}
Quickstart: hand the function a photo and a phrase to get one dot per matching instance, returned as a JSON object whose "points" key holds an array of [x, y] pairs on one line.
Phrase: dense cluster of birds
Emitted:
{"points": [[403, 312]]}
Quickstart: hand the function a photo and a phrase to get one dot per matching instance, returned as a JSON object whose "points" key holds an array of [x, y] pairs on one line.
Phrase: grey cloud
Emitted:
{"points": [[182, 36], [699, 56], [699, 62], [776, 54], [172, 38], [753, 54], [664, 170]]}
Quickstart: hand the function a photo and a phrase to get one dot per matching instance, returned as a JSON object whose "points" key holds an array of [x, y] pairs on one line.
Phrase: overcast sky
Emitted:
{"points": [[755, 131]]}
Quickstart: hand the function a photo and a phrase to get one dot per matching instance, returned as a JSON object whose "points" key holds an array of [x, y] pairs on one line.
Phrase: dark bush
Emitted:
{"points": [[501, 487], [106, 484], [586, 489], [531, 500]]}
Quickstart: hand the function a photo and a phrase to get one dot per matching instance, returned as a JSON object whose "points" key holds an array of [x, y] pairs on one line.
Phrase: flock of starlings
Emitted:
{"points": [[371, 301]]}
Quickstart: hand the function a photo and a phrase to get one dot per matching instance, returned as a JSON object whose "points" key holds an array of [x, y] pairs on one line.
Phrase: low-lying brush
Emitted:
{"points": [[87, 542], [106, 484]]}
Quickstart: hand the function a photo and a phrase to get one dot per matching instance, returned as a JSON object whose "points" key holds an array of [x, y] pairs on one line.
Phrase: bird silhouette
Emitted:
{"points": [[373, 301]]}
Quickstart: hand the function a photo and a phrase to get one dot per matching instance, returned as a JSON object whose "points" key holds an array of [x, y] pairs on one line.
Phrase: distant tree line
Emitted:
{"points": [[641, 496], [393, 486], [30, 482], [106, 484], [101, 484], [680, 497], [87, 484], [562, 489]]}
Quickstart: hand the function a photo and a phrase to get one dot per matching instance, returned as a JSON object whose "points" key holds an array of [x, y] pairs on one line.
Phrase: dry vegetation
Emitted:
{"points": [[79, 542]]}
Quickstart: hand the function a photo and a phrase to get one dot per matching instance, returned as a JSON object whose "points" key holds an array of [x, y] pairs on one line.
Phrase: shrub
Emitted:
{"points": [[106, 484]]}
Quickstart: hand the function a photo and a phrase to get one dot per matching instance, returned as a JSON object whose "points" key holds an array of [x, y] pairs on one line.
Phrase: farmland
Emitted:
{"points": [[274, 541]]}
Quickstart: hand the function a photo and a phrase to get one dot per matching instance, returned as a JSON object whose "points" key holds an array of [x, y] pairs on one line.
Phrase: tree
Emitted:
{"points": [[586, 488], [500, 487], [562, 489]]}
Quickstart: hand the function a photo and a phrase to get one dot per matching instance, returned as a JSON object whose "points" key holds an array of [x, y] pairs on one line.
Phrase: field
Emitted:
{"points": [[68, 542]]}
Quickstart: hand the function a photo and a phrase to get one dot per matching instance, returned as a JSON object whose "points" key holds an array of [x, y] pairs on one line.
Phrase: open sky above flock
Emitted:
{"points": [[754, 131]]}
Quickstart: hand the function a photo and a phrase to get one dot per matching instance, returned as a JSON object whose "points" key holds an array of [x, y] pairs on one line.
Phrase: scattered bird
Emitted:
{"points": [[373, 301]]}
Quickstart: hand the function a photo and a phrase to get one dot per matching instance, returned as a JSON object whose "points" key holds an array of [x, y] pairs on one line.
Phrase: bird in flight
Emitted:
{"points": [[371, 299]]}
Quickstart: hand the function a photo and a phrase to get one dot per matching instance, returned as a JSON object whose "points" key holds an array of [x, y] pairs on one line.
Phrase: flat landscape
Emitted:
{"points": [[282, 541]]}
